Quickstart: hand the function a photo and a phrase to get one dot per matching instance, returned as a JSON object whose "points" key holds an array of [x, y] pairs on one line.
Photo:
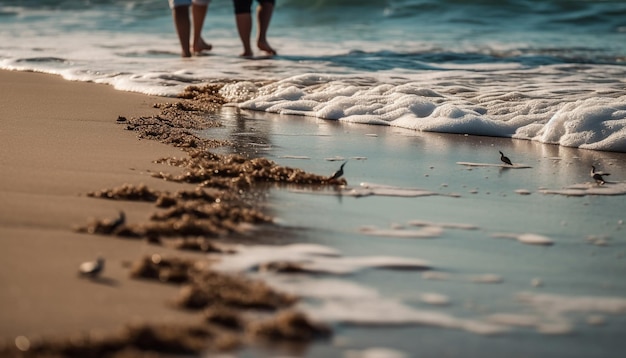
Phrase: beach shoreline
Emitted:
{"points": [[72, 145], [172, 207]]}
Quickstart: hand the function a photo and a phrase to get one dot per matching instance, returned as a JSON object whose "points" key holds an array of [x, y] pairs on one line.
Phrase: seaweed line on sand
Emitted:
{"points": [[218, 207]]}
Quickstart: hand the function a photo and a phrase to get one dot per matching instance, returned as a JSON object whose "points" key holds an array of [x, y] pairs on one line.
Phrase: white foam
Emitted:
{"points": [[559, 304], [301, 157], [486, 278], [459, 226], [323, 289], [375, 352], [583, 189], [378, 311], [592, 123], [512, 319], [425, 233], [498, 165], [588, 121], [370, 189], [436, 299], [310, 258], [526, 238], [347, 302]]}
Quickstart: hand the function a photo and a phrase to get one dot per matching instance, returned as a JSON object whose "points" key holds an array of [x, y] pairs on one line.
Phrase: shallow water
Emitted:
{"points": [[500, 295]]}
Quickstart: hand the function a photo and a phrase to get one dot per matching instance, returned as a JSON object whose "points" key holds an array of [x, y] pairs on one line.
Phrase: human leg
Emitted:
{"points": [[264, 16], [244, 24], [198, 11], [183, 28]]}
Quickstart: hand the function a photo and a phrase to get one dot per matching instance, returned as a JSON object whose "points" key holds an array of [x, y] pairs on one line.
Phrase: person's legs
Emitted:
{"points": [[198, 12], [264, 16], [183, 27], [244, 24]]}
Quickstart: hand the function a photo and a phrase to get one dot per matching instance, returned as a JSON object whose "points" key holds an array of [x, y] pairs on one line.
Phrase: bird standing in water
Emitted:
{"points": [[338, 173], [91, 269], [598, 176], [505, 159]]}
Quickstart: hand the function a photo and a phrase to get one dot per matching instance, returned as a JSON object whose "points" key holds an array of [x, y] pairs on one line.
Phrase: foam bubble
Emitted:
{"points": [[555, 328], [593, 123], [425, 233], [435, 299], [583, 189], [383, 311], [311, 258], [558, 304], [459, 226], [370, 189], [486, 278], [375, 352], [526, 238], [498, 165], [511, 319]]}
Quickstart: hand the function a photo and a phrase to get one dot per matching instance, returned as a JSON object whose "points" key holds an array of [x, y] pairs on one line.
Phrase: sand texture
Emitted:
{"points": [[59, 141], [80, 188]]}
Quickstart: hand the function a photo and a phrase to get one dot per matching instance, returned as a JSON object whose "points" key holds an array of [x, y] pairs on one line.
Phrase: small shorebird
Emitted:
{"points": [[91, 269], [598, 176], [121, 220], [338, 173], [505, 159]]}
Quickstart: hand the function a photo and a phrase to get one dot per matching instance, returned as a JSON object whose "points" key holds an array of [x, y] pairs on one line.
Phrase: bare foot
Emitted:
{"points": [[264, 46], [201, 46], [247, 54]]}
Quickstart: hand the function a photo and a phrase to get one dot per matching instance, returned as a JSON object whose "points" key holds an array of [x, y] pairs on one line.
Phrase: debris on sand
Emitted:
{"points": [[233, 309]]}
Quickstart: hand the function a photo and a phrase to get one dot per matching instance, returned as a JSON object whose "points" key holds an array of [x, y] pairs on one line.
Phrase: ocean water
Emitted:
{"points": [[434, 249], [549, 71]]}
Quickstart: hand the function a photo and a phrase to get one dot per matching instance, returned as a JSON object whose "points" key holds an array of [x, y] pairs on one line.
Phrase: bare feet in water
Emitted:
{"points": [[264, 46], [201, 46]]}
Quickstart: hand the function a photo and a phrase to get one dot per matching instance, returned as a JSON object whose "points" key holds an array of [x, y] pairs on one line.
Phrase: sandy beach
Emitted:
{"points": [[432, 237], [65, 153], [60, 141]]}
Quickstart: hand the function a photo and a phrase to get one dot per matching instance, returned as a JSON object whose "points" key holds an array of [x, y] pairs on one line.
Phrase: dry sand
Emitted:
{"points": [[60, 140]]}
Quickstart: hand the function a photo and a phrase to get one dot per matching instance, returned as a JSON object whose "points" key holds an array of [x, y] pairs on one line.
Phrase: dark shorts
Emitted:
{"points": [[245, 6]]}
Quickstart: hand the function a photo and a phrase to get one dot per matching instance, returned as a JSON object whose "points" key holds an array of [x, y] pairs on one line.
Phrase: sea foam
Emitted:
{"points": [[587, 117]]}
